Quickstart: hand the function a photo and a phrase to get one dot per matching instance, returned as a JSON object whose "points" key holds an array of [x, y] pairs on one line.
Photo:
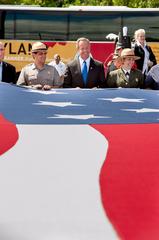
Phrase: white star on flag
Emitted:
{"points": [[142, 110], [82, 117], [44, 92], [58, 104], [118, 99]]}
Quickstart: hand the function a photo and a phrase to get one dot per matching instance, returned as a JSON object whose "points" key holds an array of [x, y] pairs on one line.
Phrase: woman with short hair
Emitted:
{"points": [[142, 50]]}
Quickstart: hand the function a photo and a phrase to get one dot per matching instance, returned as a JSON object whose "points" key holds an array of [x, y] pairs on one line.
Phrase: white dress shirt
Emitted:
{"points": [[146, 58], [61, 67], [87, 62]]}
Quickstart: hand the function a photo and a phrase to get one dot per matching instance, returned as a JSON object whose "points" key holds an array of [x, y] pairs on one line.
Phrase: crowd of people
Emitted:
{"points": [[133, 67]]}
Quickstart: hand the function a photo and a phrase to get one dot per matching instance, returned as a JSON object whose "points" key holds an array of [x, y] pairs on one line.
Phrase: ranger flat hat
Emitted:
{"points": [[38, 46], [128, 52]]}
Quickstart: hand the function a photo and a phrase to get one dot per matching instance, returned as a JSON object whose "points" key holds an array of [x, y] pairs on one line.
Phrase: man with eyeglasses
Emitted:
{"points": [[7, 71], [39, 75]]}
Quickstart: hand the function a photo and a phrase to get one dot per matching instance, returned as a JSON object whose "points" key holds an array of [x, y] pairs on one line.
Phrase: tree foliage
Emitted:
{"points": [[64, 3]]}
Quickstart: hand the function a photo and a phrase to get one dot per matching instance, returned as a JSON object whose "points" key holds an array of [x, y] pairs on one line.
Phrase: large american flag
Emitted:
{"points": [[79, 164]]}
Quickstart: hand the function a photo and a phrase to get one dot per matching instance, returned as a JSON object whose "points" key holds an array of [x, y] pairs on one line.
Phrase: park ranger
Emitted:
{"points": [[39, 75]]}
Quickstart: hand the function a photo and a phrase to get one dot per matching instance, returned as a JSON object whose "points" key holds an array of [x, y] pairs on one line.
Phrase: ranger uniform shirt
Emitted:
{"points": [[31, 75]]}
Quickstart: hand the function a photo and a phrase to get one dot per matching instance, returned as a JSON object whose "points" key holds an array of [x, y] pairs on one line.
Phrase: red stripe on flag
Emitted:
{"points": [[8, 135], [129, 180]]}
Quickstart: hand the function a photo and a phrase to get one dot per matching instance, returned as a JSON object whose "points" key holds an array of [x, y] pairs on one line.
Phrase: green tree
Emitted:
{"points": [[64, 3]]}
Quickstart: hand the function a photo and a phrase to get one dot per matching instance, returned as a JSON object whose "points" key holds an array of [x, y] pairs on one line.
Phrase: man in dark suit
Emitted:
{"points": [[7, 71], [84, 71]]}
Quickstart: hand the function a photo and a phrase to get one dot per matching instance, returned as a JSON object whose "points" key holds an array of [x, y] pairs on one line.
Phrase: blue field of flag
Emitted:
{"points": [[78, 106]]}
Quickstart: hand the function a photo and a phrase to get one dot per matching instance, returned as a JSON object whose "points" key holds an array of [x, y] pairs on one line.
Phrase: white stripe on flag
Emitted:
{"points": [[49, 184]]}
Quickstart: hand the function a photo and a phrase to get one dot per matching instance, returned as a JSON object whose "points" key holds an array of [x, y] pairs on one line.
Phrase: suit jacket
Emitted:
{"points": [[8, 73], [138, 50], [73, 77], [117, 78], [151, 83]]}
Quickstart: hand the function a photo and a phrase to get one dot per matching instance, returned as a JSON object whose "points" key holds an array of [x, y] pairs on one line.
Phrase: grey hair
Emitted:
{"points": [[137, 32], [81, 39]]}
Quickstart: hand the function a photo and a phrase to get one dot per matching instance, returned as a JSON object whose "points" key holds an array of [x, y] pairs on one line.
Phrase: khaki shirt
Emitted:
{"points": [[31, 75]]}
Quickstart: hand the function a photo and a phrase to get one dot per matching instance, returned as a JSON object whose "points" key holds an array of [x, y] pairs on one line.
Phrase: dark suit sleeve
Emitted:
{"points": [[96, 75], [102, 79], [8, 73], [67, 78], [152, 56], [149, 82], [13, 75], [141, 77], [140, 53]]}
